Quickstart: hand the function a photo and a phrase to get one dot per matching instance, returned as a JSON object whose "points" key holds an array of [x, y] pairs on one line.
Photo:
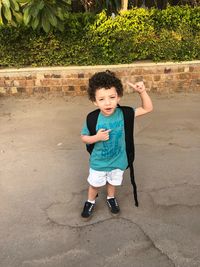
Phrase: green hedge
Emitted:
{"points": [[137, 34]]}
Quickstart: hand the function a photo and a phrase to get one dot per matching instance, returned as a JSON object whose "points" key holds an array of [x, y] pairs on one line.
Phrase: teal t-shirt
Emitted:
{"points": [[111, 154]]}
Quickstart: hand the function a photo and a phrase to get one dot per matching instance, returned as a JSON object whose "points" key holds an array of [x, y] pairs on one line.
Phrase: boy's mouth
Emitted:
{"points": [[108, 111]]}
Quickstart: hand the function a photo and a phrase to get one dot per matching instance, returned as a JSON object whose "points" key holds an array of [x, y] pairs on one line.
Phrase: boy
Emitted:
{"points": [[108, 159]]}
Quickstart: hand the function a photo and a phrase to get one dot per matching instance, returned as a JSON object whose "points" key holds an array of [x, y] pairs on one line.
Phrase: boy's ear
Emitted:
{"points": [[95, 103]]}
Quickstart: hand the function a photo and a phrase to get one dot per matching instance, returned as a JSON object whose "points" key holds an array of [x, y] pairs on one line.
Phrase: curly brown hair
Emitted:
{"points": [[105, 79]]}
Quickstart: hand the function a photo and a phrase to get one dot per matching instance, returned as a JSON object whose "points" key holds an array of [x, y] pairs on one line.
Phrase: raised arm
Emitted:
{"points": [[147, 105]]}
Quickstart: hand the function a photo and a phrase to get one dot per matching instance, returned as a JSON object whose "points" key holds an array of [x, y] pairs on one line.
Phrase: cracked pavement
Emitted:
{"points": [[43, 186]]}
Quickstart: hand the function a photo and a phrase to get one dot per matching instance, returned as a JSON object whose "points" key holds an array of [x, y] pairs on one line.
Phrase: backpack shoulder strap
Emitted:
{"points": [[91, 122], [129, 117]]}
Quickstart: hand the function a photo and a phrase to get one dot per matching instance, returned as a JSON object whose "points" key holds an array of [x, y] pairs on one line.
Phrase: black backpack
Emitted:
{"points": [[129, 115]]}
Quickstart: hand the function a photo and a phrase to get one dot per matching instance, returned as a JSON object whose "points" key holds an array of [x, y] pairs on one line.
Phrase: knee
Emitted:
{"points": [[94, 187]]}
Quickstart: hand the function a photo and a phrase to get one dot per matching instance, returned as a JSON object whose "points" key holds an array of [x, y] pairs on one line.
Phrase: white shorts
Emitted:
{"points": [[100, 178]]}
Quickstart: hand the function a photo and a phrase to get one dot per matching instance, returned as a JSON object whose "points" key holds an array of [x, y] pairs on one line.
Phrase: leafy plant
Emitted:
{"points": [[89, 39], [45, 14], [10, 12]]}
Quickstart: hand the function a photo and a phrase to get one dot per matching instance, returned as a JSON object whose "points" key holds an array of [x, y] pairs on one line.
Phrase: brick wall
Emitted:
{"points": [[158, 77]]}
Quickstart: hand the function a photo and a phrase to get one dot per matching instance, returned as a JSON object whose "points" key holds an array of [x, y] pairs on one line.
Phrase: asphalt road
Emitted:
{"points": [[43, 171]]}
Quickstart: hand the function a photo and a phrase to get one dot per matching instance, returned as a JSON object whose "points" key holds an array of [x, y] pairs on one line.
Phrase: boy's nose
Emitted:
{"points": [[107, 102]]}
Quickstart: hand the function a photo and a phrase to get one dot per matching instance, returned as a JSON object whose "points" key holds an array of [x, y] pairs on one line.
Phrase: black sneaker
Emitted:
{"points": [[113, 205], [87, 210]]}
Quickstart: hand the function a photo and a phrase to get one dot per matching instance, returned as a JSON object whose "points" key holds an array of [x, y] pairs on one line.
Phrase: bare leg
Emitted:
{"points": [[111, 190], [92, 192]]}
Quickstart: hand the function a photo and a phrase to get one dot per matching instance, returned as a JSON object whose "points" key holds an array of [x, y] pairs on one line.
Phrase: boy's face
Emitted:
{"points": [[107, 100]]}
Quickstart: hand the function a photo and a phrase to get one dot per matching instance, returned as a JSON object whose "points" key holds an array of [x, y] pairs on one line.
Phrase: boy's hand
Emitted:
{"points": [[138, 87], [102, 135]]}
